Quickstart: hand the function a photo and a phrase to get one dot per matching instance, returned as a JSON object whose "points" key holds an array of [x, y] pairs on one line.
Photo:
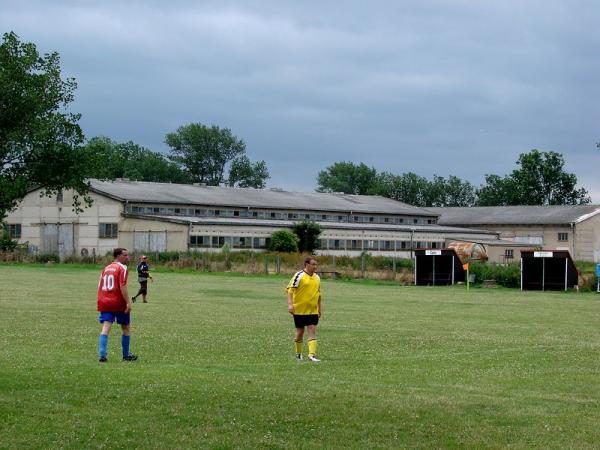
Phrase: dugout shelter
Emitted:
{"points": [[547, 270], [438, 267]]}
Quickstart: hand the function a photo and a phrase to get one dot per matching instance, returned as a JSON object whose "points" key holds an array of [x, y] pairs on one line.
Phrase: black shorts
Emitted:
{"points": [[143, 287], [302, 320]]}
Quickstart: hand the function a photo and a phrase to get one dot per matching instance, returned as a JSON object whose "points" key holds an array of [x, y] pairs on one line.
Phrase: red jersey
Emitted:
{"points": [[110, 298]]}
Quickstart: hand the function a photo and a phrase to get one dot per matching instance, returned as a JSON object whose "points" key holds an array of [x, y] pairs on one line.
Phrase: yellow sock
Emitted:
{"points": [[312, 347], [298, 345]]}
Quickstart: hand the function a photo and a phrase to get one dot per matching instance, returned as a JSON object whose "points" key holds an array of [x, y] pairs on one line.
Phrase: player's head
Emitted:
{"points": [[121, 254], [310, 265], [144, 258]]}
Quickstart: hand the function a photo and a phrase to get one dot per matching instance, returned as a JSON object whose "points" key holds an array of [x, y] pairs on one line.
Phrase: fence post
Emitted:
{"points": [[333, 262], [278, 264], [267, 265], [362, 264]]}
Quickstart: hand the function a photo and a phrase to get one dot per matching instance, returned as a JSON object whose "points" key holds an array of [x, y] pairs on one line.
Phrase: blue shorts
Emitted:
{"points": [[121, 317]]}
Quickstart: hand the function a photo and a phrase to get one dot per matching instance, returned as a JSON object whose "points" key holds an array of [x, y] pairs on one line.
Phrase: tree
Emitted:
{"points": [[498, 191], [408, 188], [247, 175], [283, 241], [110, 160], [348, 178], [40, 143], [308, 235], [449, 192], [540, 180], [204, 153]]}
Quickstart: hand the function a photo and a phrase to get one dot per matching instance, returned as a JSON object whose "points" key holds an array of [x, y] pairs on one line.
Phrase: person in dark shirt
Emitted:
{"points": [[143, 271]]}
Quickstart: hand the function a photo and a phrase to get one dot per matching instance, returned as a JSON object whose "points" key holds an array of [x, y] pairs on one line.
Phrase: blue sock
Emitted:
{"points": [[125, 345], [102, 344]]}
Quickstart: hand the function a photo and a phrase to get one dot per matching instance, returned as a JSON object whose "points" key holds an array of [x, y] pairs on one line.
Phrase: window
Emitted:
{"points": [[199, 241], [14, 230], [59, 197], [563, 237], [108, 230], [508, 253]]}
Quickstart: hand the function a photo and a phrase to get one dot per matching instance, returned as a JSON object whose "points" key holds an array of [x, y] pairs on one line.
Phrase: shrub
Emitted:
{"points": [[284, 241], [6, 243], [47, 257]]}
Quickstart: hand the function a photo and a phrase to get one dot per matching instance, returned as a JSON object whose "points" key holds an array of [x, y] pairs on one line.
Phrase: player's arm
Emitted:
{"points": [[319, 305], [125, 294], [124, 291], [290, 298]]}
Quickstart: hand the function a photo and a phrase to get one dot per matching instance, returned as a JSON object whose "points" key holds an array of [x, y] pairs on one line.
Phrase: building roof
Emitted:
{"points": [[187, 194], [515, 215]]}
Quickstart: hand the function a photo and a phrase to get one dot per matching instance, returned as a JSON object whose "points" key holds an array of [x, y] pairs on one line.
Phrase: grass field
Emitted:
{"points": [[403, 367]]}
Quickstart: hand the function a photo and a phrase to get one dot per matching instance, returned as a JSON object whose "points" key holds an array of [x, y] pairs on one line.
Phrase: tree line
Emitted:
{"points": [[42, 145], [539, 179]]}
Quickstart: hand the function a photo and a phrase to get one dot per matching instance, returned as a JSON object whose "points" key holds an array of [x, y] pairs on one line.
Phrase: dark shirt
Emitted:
{"points": [[143, 270]]}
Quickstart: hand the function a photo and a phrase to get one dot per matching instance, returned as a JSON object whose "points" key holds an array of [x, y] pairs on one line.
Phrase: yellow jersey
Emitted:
{"points": [[305, 290]]}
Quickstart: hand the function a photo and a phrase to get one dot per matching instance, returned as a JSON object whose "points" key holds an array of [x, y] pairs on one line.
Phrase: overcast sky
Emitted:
{"points": [[433, 87]]}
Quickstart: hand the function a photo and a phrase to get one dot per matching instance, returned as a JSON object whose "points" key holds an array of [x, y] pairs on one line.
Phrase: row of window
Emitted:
{"points": [[273, 215], [381, 245], [325, 244], [232, 241]]}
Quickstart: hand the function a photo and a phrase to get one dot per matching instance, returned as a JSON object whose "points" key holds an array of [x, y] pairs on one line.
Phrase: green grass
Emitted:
{"points": [[403, 367]]}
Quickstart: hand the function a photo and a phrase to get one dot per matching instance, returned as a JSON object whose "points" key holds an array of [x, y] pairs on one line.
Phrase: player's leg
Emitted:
{"points": [[106, 319], [298, 342], [134, 298], [144, 290], [299, 337], [312, 342], [124, 320]]}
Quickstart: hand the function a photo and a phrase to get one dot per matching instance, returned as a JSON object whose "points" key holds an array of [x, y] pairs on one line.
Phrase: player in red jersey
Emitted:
{"points": [[114, 303]]}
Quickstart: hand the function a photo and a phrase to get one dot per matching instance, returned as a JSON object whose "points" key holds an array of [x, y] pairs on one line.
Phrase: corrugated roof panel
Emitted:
{"points": [[147, 192]]}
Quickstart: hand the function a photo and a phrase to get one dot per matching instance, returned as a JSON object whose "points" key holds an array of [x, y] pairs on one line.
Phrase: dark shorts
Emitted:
{"points": [[302, 320], [143, 287], [121, 317]]}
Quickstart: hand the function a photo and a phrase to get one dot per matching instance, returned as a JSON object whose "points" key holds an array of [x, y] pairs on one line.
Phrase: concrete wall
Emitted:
{"points": [[35, 212], [587, 240]]}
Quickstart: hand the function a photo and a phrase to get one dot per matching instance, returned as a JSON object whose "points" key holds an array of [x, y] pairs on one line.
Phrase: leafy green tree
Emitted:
{"points": [[540, 180], [498, 191], [408, 188], [205, 152], [308, 235], [348, 178], [243, 173], [449, 192], [283, 241], [110, 160], [40, 142]]}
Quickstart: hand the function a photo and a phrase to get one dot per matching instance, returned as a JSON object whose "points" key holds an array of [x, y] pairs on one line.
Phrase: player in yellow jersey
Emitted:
{"points": [[304, 303]]}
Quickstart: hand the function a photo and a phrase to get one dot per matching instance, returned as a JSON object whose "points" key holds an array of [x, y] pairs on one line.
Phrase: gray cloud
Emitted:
{"points": [[435, 87]]}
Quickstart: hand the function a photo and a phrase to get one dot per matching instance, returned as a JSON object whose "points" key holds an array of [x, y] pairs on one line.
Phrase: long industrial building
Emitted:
{"points": [[145, 216]]}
